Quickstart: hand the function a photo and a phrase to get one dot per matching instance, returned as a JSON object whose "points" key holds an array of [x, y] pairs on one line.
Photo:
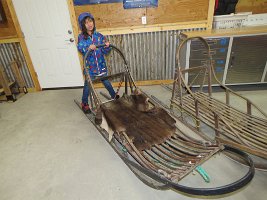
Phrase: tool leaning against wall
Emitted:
{"points": [[10, 89]]}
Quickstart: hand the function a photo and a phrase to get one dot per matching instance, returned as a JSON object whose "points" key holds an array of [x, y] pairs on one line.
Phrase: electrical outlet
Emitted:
{"points": [[144, 20]]}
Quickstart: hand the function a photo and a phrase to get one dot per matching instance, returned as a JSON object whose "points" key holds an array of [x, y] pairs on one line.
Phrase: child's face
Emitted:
{"points": [[89, 24]]}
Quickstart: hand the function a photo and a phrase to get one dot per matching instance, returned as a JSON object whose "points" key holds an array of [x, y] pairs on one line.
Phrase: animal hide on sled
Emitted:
{"points": [[145, 126]]}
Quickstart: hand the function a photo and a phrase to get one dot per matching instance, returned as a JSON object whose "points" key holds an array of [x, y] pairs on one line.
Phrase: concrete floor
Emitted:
{"points": [[49, 150]]}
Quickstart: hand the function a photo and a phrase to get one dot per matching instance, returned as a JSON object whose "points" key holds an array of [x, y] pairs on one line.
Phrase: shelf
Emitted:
{"points": [[228, 32]]}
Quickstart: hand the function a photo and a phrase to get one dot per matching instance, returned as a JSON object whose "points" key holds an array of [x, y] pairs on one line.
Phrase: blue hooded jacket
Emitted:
{"points": [[95, 60]]}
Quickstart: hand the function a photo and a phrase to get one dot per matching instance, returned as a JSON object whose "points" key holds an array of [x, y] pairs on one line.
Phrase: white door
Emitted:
{"points": [[49, 37]]}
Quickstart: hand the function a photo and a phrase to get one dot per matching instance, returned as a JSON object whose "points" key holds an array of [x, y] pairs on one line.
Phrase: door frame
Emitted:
{"points": [[74, 24], [78, 62], [20, 38]]}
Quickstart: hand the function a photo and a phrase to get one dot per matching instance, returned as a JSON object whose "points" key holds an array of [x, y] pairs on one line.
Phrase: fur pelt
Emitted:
{"points": [[144, 125]]}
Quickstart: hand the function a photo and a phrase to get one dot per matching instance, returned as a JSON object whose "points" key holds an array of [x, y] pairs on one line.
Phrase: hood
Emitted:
{"points": [[82, 16]]}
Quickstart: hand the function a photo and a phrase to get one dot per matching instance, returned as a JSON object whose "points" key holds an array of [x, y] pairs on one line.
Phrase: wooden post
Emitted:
{"points": [[21, 83], [23, 46], [6, 87], [73, 18], [210, 14], [75, 27], [9, 40], [4, 82]]}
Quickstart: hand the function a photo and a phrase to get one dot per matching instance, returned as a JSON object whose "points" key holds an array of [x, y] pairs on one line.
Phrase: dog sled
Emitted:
{"points": [[232, 126], [151, 141]]}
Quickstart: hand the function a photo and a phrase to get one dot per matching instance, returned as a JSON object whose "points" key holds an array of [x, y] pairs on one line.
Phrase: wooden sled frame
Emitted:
{"points": [[231, 126], [163, 165]]}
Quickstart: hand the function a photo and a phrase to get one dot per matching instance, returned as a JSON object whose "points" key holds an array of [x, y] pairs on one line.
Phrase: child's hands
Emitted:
{"points": [[92, 47], [107, 44]]}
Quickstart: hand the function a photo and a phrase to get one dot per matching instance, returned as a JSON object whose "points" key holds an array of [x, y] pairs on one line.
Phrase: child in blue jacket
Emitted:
{"points": [[95, 62]]}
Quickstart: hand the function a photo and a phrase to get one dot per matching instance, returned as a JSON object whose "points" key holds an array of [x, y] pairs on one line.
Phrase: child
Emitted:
{"points": [[95, 62]]}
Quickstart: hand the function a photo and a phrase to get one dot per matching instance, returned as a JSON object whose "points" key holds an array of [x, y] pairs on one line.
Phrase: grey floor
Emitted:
{"points": [[49, 150]]}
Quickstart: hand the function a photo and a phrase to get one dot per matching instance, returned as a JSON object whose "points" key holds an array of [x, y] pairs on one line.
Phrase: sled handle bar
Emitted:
{"points": [[103, 45]]}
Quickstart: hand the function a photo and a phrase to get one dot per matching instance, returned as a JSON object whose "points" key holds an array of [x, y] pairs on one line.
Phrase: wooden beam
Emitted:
{"points": [[14, 17], [23, 45], [30, 64], [9, 40], [139, 83], [154, 28], [154, 82], [210, 14], [7, 28], [31, 90]]}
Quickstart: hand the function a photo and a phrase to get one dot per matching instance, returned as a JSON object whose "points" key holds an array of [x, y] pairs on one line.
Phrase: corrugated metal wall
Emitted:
{"points": [[151, 56], [13, 52]]}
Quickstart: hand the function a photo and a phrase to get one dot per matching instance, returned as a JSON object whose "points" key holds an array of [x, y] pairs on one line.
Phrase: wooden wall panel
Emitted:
{"points": [[112, 15], [169, 11], [7, 30], [254, 6], [173, 11]]}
